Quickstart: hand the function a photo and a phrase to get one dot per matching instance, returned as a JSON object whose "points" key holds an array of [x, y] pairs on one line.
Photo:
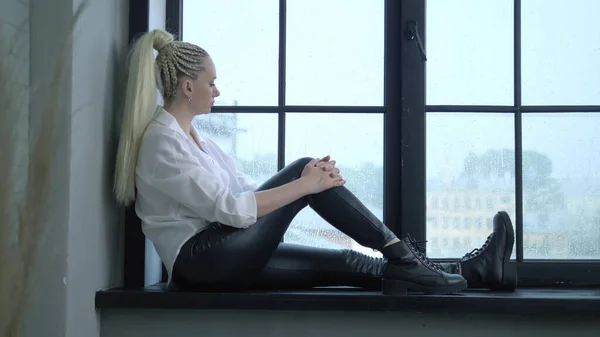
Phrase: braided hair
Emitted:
{"points": [[175, 59]]}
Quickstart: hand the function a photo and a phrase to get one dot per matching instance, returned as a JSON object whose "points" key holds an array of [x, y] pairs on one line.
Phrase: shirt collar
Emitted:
{"points": [[163, 117]]}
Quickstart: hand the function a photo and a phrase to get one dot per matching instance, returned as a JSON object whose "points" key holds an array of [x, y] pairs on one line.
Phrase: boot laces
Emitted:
{"points": [[419, 250], [477, 251]]}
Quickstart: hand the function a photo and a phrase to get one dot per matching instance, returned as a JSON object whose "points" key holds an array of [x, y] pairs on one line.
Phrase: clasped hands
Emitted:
{"points": [[320, 174], [328, 165]]}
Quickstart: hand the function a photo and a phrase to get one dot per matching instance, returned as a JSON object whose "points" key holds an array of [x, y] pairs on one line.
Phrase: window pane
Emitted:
{"points": [[243, 39], [560, 52], [470, 176], [469, 52], [250, 138], [561, 186], [360, 160], [335, 52]]}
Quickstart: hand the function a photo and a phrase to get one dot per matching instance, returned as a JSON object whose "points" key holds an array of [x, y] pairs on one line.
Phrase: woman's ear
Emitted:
{"points": [[187, 87]]}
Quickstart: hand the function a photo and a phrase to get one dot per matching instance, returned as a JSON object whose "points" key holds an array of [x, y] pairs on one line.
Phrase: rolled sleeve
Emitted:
{"points": [[215, 201], [247, 183], [181, 177]]}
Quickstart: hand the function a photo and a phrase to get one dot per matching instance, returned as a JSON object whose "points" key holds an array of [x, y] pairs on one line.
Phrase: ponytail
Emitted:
{"points": [[141, 97]]}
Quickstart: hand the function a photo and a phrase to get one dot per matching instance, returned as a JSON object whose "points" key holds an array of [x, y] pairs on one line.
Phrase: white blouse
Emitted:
{"points": [[181, 189]]}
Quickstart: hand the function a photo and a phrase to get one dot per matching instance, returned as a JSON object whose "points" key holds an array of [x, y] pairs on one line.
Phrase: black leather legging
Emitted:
{"points": [[225, 258]]}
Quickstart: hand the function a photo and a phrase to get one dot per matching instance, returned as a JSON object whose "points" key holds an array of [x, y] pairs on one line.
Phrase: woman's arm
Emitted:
{"points": [[269, 200], [316, 177], [164, 164]]}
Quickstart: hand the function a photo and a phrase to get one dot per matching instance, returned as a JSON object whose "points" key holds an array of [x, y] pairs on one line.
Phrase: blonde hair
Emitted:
{"points": [[174, 59]]}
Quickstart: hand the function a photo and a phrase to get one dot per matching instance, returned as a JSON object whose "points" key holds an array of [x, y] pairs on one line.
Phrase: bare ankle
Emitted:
{"points": [[396, 240]]}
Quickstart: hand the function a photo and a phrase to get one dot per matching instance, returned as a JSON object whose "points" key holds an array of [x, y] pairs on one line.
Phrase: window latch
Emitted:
{"points": [[412, 33]]}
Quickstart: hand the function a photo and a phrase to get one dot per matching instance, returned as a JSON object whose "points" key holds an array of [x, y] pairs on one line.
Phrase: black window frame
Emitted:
{"points": [[404, 112], [531, 272]]}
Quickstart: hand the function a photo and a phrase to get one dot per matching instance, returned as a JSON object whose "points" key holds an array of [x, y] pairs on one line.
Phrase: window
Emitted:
{"points": [[512, 113], [279, 88], [468, 224], [440, 112]]}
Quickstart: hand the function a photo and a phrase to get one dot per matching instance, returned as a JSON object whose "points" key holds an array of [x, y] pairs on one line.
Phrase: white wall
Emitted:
{"points": [[47, 316], [94, 223], [48, 20], [80, 254]]}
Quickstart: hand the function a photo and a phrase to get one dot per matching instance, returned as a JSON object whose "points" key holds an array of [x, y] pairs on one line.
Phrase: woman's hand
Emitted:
{"points": [[328, 165], [317, 176], [321, 175]]}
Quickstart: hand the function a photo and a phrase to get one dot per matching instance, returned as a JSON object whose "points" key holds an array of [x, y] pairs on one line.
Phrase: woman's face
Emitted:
{"points": [[203, 90]]}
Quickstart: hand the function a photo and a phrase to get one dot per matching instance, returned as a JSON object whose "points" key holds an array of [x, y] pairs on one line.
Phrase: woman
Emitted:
{"points": [[215, 230]]}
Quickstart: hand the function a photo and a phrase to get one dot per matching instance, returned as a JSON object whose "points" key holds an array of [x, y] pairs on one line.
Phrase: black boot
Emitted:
{"points": [[488, 266], [407, 268]]}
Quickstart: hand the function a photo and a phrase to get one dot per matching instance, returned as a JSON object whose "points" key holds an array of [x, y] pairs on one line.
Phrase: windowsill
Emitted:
{"points": [[522, 301]]}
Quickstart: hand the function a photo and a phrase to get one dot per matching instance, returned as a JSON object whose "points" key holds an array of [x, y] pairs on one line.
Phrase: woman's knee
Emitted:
{"points": [[301, 162]]}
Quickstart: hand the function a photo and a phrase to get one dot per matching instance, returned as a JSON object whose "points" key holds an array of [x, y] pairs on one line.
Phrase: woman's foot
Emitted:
{"points": [[407, 268], [488, 266]]}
